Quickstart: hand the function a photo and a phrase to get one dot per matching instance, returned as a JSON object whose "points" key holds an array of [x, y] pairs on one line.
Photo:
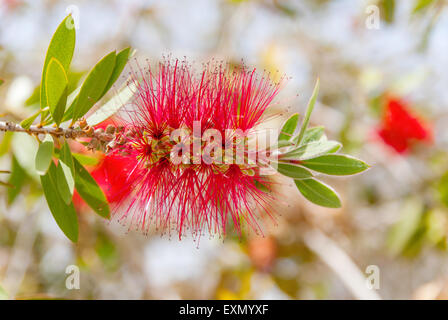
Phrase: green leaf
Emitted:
{"points": [[24, 148], [311, 150], [111, 106], [421, 4], [89, 190], [71, 101], [44, 155], [61, 47], [312, 135], [282, 144], [73, 80], [387, 10], [2, 81], [318, 193], [335, 164], [5, 143], [335, 148], [65, 173], [34, 98], [56, 83], [17, 179], [94, 85], [309, 110], [26, 124], [288, 128], [120, 63], [85, 160], [65, 215], [293, 171]]}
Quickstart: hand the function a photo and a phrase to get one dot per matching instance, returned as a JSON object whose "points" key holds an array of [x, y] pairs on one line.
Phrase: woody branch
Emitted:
{"points": [[69, 133]]}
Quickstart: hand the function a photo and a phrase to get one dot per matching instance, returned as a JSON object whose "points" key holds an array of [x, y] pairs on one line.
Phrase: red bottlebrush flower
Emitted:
{"points": [[197, 195], [400, 127]]}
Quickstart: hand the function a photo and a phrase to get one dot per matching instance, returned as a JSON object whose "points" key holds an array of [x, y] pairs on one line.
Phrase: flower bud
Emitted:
{"points": [[110, 129], [82, 123]]}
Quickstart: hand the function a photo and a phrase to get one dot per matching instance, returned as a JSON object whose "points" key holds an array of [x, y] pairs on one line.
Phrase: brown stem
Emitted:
{"points": [[70, 133]]}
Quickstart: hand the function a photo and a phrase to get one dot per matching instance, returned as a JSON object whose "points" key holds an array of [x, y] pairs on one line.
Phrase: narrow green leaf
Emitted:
{"points": [[335, 148], [318, 193], [335, 164], [120, 63], [61, 47], [65, 156], [34, 98], [71, 99], [282, 144], [311, 150], [309, 110], [288, 128], [293, 171], [5, 143], [387, 10], [71, 102], [64, 180], [312, 135], [89, 190], [24, 148], [65, 215], [56, 83], [85, 160], [2, 81], [44, 155], [26, 124], [65, 173], [111, 106], [421, 4], [17, 179], [94, 85], [73, 92], [73, 79]]}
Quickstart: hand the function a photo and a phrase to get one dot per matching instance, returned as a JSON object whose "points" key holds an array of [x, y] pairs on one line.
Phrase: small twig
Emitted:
{"points": [[70, 133], [341, 264]]}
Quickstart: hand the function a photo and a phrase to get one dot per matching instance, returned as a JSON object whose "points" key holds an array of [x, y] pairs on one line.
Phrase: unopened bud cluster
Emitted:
{"points": [[101, 139]]}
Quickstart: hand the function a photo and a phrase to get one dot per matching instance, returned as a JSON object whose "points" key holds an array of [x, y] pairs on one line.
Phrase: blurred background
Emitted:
{"points": [[382, 66]]}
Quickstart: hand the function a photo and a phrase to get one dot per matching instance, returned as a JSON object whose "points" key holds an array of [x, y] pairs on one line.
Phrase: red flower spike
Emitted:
{"points": [[400, 127], [198, 196], [111, 175]]}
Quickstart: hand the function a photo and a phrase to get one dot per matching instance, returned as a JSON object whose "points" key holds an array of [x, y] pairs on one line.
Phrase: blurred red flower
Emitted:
{"points": [[111, 174], [400, 127]]}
